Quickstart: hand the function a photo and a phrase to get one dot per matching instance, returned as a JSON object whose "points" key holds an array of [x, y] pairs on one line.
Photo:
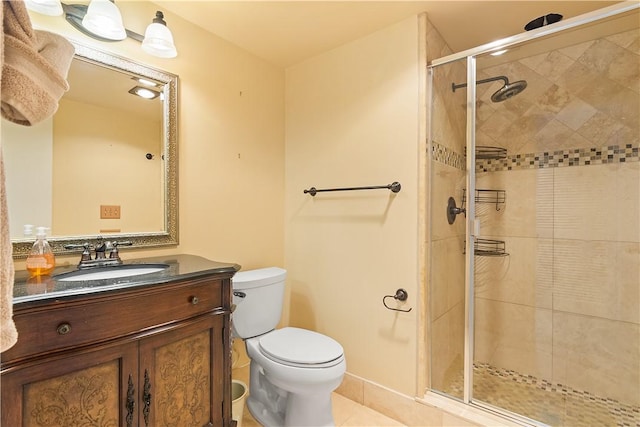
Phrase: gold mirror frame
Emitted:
{"points": [[169, 236]]}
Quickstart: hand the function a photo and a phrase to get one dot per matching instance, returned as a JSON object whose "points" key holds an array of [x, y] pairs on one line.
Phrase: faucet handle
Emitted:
{"points": [[114, 248], [86, 253]]}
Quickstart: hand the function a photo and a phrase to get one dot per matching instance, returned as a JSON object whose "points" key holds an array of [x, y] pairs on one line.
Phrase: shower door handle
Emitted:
{"points": [[476, 228]]}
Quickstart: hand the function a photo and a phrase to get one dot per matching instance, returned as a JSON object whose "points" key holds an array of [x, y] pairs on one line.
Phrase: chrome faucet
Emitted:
{"points": [[100, 249]]}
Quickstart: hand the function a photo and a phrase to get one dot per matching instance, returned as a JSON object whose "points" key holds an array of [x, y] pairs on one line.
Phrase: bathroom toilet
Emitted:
{"points": [[293, 371]]}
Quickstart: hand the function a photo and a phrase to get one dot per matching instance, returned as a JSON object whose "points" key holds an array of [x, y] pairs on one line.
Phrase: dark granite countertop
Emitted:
{"points": [[180, 267]]}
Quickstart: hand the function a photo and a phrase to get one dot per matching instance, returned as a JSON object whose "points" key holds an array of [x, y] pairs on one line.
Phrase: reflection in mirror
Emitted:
{"points": [[106, 153]]}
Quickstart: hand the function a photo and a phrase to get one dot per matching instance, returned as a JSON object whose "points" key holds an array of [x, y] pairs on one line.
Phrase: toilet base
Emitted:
{"points": [[302, 411], [262, 415], [272, 406], [309, 410]]}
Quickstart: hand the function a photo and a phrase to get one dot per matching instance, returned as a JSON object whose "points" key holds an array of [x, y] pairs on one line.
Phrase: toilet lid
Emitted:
{"points": [[300, 346]]}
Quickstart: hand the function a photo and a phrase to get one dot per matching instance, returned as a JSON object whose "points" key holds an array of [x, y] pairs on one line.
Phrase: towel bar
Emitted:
{"points": [[394, 187]]}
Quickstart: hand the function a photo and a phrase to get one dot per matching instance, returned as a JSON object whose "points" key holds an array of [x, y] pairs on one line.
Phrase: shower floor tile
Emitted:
{"points": [[540, 400]]}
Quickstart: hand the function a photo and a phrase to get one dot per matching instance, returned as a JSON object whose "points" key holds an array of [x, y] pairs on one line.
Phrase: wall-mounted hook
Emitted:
{"points": [[401, 295]]}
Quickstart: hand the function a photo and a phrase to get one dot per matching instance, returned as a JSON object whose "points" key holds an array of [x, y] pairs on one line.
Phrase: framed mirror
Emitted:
{"points": [[105, 165]]}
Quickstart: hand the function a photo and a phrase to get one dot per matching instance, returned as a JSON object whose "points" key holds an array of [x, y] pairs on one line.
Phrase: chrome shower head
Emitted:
{"points": [[502, 94], [509, 90]]}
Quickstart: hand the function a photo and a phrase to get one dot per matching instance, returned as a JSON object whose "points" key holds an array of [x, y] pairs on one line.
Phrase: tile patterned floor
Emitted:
{"points": [[346, 413], [553, 404]]}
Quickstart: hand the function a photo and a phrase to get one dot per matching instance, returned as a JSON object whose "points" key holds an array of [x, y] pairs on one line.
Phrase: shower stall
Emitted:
{"points": [[533, 223]]}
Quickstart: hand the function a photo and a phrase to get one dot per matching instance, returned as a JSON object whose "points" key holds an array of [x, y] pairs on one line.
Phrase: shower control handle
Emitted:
{"points": [[453, 210]]}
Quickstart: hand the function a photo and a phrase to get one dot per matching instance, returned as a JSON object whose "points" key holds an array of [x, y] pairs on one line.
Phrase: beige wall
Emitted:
{"points": [[346, 251], [230, 141], [352, 120]]}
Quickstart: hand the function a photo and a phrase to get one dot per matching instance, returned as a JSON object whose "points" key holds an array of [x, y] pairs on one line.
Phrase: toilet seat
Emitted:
{"points": [[301, 348]]}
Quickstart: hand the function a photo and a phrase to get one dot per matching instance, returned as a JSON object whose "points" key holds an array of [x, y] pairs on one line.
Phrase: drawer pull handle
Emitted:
{"points": [[194, 300], [63, 329]]}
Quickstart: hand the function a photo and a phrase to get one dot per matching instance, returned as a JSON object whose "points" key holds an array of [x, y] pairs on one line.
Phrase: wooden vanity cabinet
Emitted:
{"points": [[152, 356]]}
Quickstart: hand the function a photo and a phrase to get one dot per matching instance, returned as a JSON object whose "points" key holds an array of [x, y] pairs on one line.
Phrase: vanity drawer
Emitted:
{"points": [[111, 316]]}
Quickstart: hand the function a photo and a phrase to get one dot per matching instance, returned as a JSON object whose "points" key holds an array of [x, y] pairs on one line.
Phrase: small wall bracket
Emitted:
{"points": [[401, 295]]}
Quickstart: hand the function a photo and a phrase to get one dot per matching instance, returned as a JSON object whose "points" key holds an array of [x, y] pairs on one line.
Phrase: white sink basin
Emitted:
{"points": [[102, 273]]}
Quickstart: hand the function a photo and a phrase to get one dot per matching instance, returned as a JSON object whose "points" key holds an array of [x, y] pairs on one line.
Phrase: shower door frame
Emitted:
{"points": [[471, 225], [470, 232]]}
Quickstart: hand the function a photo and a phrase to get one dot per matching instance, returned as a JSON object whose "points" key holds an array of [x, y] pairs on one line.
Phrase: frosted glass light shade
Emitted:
{"points": [[103, 19], [45, 7], [158, 41]]}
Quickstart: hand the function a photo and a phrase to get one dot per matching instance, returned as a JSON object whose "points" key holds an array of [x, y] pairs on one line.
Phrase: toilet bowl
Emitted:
{"points": [[293, 371]]}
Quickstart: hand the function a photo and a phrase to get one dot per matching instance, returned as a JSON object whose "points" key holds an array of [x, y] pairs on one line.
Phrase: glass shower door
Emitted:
{"points": [[557, 277], [512, 317], [534, 226], [446, 156]]}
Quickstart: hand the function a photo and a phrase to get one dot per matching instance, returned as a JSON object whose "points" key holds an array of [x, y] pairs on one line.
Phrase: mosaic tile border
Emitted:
{"points": [[562, 158], [443, 154], [582, 406], [575, 157], [626, 415]]}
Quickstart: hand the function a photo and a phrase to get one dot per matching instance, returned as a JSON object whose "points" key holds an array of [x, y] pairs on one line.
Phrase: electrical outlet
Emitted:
{"points": [[109, 211]]}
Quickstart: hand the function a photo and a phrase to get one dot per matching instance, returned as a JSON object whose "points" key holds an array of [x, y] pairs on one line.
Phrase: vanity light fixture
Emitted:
{"points": [[158, 40], [144, 92], [102, 20]]}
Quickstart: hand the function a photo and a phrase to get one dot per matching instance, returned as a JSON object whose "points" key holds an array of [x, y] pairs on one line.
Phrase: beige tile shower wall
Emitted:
{"points": [[448, 109], [592, 276], [446, 277], [446, 270], [565, 305], [583, 96], [596, 269]]}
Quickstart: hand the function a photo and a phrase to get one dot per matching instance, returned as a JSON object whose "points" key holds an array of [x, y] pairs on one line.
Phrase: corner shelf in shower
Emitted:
{"points": [[497, 197], [489, 247], [486, 152]]}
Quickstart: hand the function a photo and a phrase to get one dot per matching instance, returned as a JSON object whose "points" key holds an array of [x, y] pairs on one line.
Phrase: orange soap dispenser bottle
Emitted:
{"points": [[41, 261]]}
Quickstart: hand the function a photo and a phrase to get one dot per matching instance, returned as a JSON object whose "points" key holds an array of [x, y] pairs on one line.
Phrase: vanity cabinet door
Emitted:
{"points": [[182, 374], [94, 387]]}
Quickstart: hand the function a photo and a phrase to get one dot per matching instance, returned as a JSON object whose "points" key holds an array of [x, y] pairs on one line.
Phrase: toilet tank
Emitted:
{"points": [[258, 296]]}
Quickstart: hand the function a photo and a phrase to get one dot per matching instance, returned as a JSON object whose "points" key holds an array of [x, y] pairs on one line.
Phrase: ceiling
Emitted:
{"points": [[287, 32]]}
